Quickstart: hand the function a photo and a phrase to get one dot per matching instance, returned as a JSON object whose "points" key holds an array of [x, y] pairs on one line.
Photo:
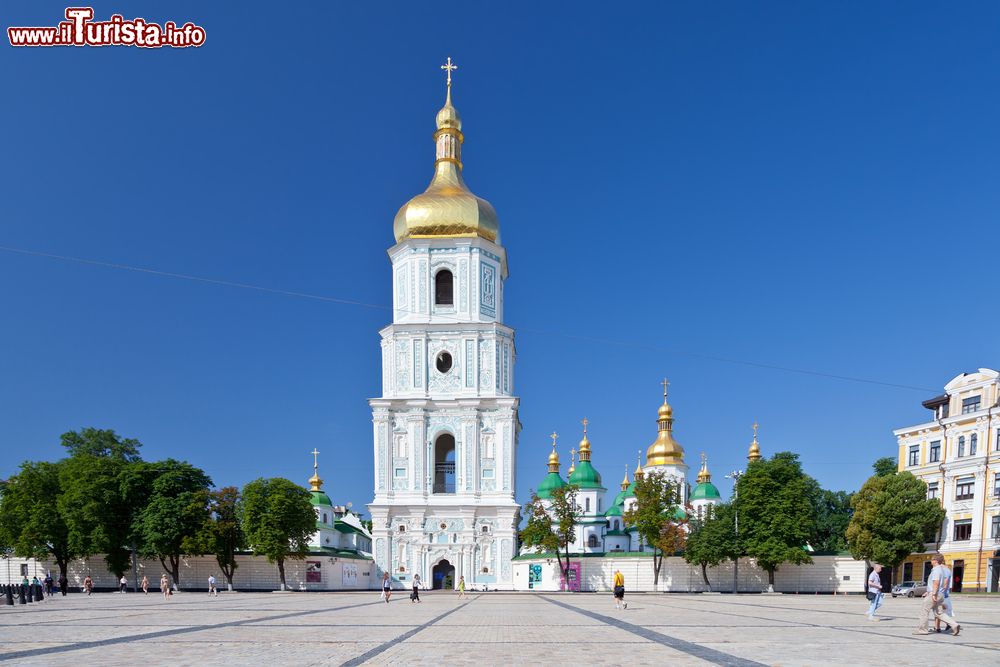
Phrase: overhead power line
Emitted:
{"points": [[379, 306]]}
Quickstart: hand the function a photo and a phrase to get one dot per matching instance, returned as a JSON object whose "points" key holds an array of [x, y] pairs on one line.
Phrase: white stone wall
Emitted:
{"points": [[253, 573], [826, 574]]}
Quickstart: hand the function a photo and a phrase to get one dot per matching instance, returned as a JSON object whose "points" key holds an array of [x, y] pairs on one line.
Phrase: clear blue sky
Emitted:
{"points": [[810, 185]]}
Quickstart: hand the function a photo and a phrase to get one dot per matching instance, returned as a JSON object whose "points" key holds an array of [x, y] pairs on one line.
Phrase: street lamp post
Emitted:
{"points": [[735, 476]]}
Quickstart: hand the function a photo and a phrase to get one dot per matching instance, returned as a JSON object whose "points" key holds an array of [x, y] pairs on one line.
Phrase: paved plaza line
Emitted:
{"points": [[385, 646], [696, 650], [28, 653]]}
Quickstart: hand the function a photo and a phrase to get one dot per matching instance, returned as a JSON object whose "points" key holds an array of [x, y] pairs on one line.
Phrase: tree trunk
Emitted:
{"points": [[770, 577], [704, 575], [173, 568], [228, 570], [657, 562], [281, 572]]}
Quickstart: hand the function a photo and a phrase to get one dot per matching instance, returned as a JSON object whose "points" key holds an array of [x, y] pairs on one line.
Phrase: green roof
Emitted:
{"points": [[551, 482], [705, 491], [614, 510], [320, 498], [345, 527], [679, 513], [586, 476], [339, 553]]}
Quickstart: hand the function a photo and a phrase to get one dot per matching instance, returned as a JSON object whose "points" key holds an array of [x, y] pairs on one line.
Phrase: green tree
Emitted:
{"points": [[712, 539], [278, 519], [655, 517], [551, 526], [221, 534], [892, 519], [777, 512], [176, 511], [833, 513], [30, 521], [102, 496], [884, 466], [102, 443]]}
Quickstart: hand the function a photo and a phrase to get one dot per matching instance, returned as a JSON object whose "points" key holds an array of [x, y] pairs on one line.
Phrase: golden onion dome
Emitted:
{"points": [[447, 208], [315, 482], [665, 450], [753, 454], [554, 461], [703, 475]]}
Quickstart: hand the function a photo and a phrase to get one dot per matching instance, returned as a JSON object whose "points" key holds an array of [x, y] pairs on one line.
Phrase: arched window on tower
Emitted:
{"points": [[592, 541], [444, 288]]}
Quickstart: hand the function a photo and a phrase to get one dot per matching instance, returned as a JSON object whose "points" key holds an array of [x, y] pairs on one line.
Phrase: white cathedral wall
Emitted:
{"points": [[253, 573], [826, 574]]}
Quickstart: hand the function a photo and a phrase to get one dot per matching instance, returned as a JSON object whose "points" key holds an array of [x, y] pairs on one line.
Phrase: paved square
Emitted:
{"points": [[305, 629]]}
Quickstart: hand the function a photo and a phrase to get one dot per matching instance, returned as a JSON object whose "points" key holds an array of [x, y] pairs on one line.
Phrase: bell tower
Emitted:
{"points": [[446, 425]]}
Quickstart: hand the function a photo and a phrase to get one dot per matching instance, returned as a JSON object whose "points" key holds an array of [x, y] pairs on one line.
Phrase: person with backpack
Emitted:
{"points": [[934, 598], [618, 586]]}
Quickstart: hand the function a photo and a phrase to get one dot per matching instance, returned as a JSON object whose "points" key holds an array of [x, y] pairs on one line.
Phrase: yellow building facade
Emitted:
{"points": [[957, 454]]}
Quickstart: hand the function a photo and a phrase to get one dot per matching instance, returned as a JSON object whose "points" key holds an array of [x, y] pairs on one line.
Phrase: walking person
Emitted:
{"points": [[48, 584], [948, 609], [164, 586], [415, 595], [145, 584], [934, 598], [386, 587], [123, 584], [618, 586], [212, 590], [461, 587], [874, 591], [88, 584]]}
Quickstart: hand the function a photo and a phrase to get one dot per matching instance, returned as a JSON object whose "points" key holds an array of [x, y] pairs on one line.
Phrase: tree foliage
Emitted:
{"points": [[176, 511], [712, 539], [30, 521], [833, 513], [278, 520], [776, 502], [892, 518], [102, 443], [221, 533], [653, 517], [884, 466], [551, 525]]}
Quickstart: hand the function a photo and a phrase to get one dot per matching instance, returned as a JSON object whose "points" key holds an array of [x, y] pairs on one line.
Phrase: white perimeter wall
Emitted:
{"points": [[253, 573], [826, 574]]}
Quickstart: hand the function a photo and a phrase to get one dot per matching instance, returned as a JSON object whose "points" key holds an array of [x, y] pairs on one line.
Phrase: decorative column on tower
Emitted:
{"points": [[446, 424]]}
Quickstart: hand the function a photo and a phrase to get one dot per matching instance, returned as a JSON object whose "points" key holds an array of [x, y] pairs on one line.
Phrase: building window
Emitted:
{"points": [[586, 506], [487, 473], [324, 517], [961, 446], [400, 472], [964, 488], [592, 541], [935, 452], [970, 404], [996, 444], [995, 527], [444, 288], [443, 362], [614, 524], [963, 530], [914, 455], [996, 485], [486, 529], [973, 443], [402, 529], [932, 490]]}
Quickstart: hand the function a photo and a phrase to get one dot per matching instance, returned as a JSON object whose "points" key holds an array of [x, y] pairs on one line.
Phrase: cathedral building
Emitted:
{"points": [[446, 426]]}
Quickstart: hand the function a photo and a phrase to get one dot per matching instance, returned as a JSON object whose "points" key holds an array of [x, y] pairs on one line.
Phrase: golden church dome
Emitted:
{"points": [[665, 450], [447, 208]]}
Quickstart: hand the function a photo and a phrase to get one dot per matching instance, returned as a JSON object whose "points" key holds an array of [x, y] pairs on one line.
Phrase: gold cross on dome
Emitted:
{"points": [[449, 67], [585, 422], [554, 436], [703, 458], [315, 460], [572, 454], [755, 427], [665, 383]]}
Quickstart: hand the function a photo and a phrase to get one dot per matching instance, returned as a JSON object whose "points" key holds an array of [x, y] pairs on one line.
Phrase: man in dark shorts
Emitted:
{"points": [[619, 589]]}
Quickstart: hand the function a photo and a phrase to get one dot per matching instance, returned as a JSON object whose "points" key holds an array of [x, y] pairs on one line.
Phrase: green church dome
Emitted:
{"points": [[551, 482], [706, 491], [586, 476], [614, 510], [320, 498]]}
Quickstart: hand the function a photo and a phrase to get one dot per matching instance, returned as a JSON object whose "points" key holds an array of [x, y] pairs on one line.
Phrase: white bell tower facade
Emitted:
{"points": [[446, 425]]}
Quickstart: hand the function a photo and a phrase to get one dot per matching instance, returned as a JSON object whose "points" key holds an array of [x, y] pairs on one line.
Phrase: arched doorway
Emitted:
{"points": [[443, 576]]}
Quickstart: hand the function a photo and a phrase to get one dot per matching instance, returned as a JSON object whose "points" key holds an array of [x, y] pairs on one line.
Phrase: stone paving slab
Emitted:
{"points": [[338, 629]]}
